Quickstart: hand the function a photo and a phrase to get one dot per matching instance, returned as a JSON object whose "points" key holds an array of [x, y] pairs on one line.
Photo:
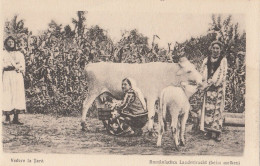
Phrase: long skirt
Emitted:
{"points": [[13, 100], [213, 107], [126, 124]]}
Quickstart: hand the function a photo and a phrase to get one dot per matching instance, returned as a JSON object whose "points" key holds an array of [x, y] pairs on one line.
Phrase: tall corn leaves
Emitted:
{"points": [[55, 59]]}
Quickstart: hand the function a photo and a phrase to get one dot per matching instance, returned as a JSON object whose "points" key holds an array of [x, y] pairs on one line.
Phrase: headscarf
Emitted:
{"points": [[138, 91], [216, 42], [213, 66]]}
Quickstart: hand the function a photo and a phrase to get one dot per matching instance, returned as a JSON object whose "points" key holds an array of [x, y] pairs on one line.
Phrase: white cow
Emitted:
{"points": [[176, 101], [150, 78]]}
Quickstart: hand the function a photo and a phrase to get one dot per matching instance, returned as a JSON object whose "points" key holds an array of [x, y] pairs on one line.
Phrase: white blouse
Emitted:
{"points": [[219, 77]]}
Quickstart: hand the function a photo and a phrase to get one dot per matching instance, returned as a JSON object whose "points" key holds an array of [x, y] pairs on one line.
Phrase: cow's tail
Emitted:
{"points": [[163, 111]]}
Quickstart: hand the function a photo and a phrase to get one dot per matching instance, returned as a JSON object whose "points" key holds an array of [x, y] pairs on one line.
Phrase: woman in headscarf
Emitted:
{"points": [[130, 114], [214, 70], [13, 81]]}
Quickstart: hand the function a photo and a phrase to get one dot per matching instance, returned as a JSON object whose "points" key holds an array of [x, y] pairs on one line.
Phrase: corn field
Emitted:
{"points": [[55, 60]]}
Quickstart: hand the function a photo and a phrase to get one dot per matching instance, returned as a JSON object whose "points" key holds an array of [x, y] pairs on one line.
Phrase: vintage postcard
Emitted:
{"points": [[151, 82]]}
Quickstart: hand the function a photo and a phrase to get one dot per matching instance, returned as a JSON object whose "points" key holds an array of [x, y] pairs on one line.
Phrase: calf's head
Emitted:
{"points": [[189, 88]]}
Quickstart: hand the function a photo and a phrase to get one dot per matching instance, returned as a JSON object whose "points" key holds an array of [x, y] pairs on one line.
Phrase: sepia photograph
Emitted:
{"points": [[124, 83]]}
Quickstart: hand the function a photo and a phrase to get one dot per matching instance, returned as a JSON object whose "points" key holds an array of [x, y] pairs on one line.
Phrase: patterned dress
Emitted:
{"points": [[13, 83], [129, 116], [214, 98]]}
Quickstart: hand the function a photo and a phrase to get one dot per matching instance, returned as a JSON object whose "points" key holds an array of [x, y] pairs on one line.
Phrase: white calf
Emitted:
{"points": [[176, 101]]}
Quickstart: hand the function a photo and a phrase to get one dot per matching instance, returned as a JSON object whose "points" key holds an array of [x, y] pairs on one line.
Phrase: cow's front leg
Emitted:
{"points": [[151, 113], [159, 139], [160, 129], [86, 105]]}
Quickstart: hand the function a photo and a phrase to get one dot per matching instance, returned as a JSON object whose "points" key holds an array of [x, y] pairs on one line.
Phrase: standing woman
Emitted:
{"points": [[214, 70], [13, 81]]}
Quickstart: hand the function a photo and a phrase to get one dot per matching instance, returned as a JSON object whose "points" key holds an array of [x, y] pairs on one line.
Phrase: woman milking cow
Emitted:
{"points": [[125, 117]]}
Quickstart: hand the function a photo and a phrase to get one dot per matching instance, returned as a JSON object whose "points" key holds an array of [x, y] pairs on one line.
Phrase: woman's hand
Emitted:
{"points": [[17, 70], [205, 86], [115, 104], [110, 105], [210, 82]]}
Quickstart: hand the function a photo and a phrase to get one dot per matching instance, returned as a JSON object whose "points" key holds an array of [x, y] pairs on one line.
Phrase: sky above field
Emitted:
{"points": [[168, 25]]}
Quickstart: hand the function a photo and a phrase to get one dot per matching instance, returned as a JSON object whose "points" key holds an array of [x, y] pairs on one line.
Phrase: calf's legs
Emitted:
{"points": [[183, 121], [175, 131]]}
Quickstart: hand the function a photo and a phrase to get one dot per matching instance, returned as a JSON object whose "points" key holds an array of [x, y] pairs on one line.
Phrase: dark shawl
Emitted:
{"points": [[213, 66]]}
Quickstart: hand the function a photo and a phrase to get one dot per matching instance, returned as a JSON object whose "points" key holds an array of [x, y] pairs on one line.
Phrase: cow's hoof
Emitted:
{"points": [[158, 145], [207, 136], [152, 134], [138, 132], [83, 129], [83, 126], [155, 134], [182, 143]]}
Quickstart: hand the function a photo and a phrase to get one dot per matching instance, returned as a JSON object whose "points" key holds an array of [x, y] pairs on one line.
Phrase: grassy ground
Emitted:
{"points": [[49, 134]]}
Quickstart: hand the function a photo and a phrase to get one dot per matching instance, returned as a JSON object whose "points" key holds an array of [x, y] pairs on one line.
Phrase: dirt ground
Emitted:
{"points": [[49, 134]]}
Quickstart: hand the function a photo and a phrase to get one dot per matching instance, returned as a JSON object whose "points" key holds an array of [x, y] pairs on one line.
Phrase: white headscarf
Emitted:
{"points": [[138, 91]]}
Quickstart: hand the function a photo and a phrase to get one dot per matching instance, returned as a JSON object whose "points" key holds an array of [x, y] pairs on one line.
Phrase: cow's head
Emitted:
{"points": [[188, 71]]}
